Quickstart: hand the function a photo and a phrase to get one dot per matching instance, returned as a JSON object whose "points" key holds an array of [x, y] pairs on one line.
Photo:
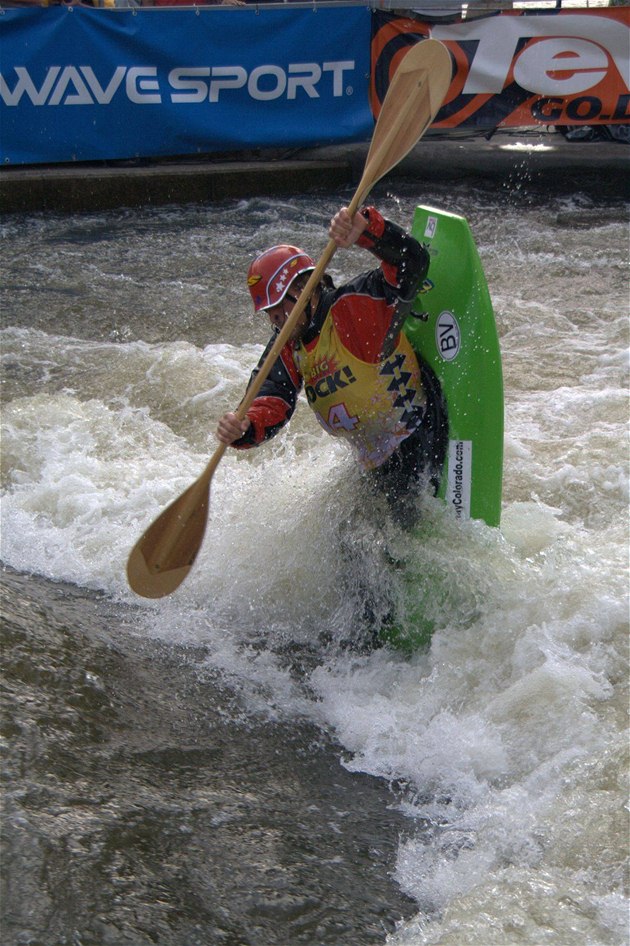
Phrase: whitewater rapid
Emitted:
{"points": [[126, 336]]}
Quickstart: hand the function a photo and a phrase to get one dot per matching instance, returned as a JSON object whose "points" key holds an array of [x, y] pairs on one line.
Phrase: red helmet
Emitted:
{"points": [[271, 274]]}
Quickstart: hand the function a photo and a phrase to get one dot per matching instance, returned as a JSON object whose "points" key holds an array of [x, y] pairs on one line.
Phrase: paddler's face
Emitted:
{"points": [[278, 314]]}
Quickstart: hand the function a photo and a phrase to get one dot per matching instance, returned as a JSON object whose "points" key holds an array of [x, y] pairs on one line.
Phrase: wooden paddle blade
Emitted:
{"points": [[414, 97], [164, 555]]}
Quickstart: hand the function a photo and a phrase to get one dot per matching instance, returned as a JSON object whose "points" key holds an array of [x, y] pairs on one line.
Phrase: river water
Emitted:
{"points": [[221, 767]]}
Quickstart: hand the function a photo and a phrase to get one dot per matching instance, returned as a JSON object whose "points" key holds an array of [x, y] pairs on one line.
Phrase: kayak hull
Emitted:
{"points": [[452, 327]]}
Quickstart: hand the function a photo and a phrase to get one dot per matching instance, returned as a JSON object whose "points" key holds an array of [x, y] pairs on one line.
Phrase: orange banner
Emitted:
{"points": [[564, 67]]}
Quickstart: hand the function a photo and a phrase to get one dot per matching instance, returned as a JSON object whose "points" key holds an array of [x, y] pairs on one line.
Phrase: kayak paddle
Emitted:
{"points": [[165, 553]]}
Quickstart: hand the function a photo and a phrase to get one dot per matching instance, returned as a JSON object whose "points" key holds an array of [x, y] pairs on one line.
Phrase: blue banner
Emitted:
{"points": [[81, 84]]}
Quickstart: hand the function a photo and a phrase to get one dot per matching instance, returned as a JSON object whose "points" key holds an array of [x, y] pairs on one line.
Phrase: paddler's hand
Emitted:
{"points": [[230, 428], [346, 230]]}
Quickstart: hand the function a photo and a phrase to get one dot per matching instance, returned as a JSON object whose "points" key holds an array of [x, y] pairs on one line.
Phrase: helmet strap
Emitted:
{"points": [[308, 308]]}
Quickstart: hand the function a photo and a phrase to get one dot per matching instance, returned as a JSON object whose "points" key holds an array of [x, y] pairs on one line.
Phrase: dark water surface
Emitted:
{"points": [[133, 819]]}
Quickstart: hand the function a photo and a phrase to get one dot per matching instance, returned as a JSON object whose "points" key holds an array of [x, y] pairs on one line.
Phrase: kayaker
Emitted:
{"points": [[361, 376]]}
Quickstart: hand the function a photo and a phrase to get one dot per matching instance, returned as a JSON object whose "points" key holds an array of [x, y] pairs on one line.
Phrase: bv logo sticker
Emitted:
{"points": [[447, 336]]}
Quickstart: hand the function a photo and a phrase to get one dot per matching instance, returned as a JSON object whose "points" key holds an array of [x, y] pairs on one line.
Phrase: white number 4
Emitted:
{"points": [[338, 419]]}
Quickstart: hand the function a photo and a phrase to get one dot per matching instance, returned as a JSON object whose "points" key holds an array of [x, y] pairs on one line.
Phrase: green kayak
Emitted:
{"points": [[453, 329]]}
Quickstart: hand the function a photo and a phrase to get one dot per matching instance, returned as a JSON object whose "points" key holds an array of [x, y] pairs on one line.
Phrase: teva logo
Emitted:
{"points": [[143, 85], [447, 336], [565, 54], [459, 477]]}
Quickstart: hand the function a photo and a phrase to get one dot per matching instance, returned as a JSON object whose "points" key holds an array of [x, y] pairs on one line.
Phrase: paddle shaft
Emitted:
{"points": [[372, 173]]}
